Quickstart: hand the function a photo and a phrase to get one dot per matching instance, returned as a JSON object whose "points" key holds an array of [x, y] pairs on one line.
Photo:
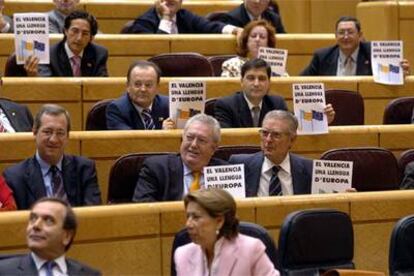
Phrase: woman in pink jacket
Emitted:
{"points": [[217, 247]]}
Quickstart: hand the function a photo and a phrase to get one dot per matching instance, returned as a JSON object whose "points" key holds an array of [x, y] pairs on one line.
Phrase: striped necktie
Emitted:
{"points": [[57, 184], [148, 121], [275, 188]]}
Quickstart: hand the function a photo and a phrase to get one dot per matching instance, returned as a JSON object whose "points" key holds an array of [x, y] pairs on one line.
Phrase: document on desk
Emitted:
{"points": [[386, 57], [31, 36]]}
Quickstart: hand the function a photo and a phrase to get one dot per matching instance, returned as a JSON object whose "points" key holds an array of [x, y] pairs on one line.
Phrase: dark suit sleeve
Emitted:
{"points": [[28, 118], [313, 68], [223, 113], [408, 179], [149, 182], [90, 187], [114, 118], [202, 25]]}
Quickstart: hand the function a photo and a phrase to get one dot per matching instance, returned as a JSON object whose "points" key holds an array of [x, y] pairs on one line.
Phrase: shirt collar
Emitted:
{"points": [[69, 51], [354, 55], [140, 108], [251, 17], [173, 19], [60, 262], [45, 167], [285, 165], [250, 105]]}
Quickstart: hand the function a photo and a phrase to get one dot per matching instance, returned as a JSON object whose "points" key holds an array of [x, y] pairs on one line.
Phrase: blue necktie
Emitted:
{"points": [[149, 123], [57, 184], [49, 267], [275, 189]]}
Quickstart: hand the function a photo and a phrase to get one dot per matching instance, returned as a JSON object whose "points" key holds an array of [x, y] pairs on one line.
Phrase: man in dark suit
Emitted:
{"points": [[292, 173], [170, 177], [254, 10], [50, 172], [167, 17], [349, 57], [75, 55], [140, 107], [248, 107], [14, 117], [49, 235]]}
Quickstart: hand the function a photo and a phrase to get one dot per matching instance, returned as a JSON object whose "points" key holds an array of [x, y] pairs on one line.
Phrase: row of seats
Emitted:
{"points": [[308, 247], [374, 169]]}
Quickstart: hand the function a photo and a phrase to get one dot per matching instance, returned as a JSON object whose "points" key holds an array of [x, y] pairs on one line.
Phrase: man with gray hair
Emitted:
{"points": [[50, 172], [170, 177], [273, 170]]}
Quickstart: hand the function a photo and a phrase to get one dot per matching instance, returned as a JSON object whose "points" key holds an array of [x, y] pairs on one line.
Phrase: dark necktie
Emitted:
{"points": [[49, 267], [256, 115], [149, 123], [275, 189], [57, 184]]}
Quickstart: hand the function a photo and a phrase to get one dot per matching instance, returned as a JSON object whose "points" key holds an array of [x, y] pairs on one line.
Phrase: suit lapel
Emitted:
{"points": [[133, 114], [63, 60], [27, 265], [253, 171], [69, 180], [88, 62], [11, 115], [176, 183], [34, 181], [298, 175], [332, 62], [155, 112], [363, 61], [245, 115], [228, 257]]}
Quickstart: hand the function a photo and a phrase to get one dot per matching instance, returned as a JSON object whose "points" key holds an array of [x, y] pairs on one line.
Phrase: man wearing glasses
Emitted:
{"points": [[75, 55], [248, 107], [50, 172], [274, 171], [349, 57]]}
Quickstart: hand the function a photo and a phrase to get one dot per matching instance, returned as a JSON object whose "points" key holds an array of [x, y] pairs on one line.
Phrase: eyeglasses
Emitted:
{"points": [[199, 140], [274, 135], [48, 132]]}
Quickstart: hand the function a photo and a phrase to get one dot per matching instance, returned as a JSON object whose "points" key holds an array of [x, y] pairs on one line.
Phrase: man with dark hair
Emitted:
{"points": [[273, 170], [349, 57], [248, 107], [75, 55], [251, 10], [167, 17], [14, 117], [170, 177], [49, 234], [140, 107], [51, 172]]}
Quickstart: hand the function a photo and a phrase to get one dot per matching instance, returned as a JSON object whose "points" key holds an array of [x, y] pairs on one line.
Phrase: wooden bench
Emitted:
{"points": [[137, 238]]}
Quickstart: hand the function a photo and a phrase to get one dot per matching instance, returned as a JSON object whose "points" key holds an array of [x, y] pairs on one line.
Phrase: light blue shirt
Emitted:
{"points": [[47, 174]]}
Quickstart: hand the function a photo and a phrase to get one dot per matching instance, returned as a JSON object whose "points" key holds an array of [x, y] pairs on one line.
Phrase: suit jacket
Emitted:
{"points": [[300, 168], [187, 23], [122, 114], [79, 180], [18, 115], [93, 62], [24, 265], [242, 255], [10, 21], [233, 111], [239, 17], [56, 21], [325, 61], [161, 178]]}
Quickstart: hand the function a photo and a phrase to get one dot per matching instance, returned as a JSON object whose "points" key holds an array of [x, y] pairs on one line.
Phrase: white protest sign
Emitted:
{"points": [[276, 58], [187, 98], [229, 178], [308, 105], [331, 176], [31, 32], [385, 61]]}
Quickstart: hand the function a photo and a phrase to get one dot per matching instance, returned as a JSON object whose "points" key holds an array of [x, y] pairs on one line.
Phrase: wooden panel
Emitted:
{"points": [[398, 137], [103, 168], [298, 23]]}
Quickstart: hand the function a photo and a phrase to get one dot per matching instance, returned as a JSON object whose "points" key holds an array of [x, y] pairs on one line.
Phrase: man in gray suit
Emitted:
{"points": [[6, 23], [49, 235], [274, 170], [57, 16]]}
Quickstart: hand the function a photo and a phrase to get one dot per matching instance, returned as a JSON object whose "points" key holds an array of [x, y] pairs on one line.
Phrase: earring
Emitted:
{"points": [[217, 232]]}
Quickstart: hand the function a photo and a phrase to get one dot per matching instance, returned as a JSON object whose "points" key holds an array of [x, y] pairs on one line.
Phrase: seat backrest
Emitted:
{"points": [[224, 152], [315, 240], [246, 228], [374, 169], [405, 158], [183, 65], [348, 105], [123, 176], [209, 106], [96, 119], [217, 61], [401, 258], [12, 69], [399, 111]]}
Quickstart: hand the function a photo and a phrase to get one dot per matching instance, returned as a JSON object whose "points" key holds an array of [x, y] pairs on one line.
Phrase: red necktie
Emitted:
{"points": [[76, 64]]}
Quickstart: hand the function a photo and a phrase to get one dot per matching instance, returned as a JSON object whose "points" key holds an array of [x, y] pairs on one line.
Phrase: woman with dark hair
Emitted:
{"points": [[218, 248], [256, 34]]}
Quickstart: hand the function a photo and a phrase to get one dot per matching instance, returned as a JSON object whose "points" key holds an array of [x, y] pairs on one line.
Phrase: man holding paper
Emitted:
{"points": [[248, 107], [170, 177], [140, 107], [274, 170], [349, 57]]}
